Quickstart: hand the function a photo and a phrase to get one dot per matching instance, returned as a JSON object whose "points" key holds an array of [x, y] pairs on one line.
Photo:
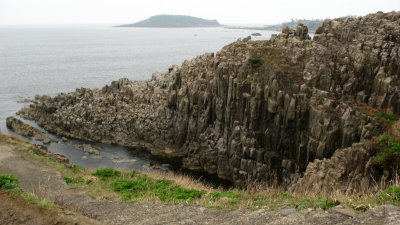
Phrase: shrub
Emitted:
{"points": [[106, 173], [388, 154], [8, 181], [392, 193], [255, 61]]}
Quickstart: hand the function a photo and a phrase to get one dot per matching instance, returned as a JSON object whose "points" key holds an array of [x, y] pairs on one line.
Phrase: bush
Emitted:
{"points": [[388, 154], [392, 193], [8, 181], [255, 61], [106, 173]]}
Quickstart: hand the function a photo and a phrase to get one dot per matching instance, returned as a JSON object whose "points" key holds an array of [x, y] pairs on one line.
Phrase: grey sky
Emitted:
{"points": [[226, 11]]}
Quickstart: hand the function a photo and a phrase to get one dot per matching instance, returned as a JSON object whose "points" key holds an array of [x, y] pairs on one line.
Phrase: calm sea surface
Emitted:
{"points": [[49, 60]]}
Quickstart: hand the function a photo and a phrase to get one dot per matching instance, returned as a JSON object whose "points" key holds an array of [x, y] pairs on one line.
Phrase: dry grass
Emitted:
{"points": [[180, 179]]}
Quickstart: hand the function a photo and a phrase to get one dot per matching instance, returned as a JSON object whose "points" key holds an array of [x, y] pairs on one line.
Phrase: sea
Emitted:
{"points": [[47, 60]]}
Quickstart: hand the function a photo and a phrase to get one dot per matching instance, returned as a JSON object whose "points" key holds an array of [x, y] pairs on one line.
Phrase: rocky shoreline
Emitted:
{"points": [[257, 111]]}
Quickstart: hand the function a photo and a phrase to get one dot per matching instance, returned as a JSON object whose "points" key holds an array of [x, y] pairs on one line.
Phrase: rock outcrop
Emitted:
{"points": [[257, 111], [26, 130]]}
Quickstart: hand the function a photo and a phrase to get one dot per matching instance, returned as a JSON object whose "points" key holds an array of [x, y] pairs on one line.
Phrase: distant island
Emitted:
{"points": [[170, 21], [311, 24]]}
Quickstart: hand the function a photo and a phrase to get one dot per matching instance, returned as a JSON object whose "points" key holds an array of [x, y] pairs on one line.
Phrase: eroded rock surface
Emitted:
{"points": [[256, 110], [26, 130]]}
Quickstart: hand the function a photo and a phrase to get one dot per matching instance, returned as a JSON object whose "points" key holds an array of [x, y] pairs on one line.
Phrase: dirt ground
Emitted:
{"points": [[14, 211]]}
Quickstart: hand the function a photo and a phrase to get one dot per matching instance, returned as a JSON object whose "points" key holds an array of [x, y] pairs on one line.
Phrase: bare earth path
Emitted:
{"points": [[48, 183]]}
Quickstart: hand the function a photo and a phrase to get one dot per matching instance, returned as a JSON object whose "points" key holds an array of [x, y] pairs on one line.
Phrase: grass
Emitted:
{"points": [[106, 173], [169, 188], [391, 194], [10, 183]]}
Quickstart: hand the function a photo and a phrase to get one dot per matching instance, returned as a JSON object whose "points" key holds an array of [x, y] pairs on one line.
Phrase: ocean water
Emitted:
{"points": [[52, 59]]}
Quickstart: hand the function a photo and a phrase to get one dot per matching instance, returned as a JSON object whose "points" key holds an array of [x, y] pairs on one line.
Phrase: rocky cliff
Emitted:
{"points": [[256, 111]]}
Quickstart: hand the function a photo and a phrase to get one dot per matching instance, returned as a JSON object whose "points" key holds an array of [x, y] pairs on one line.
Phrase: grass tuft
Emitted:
{"points": [[106, 173], [8, 181]]}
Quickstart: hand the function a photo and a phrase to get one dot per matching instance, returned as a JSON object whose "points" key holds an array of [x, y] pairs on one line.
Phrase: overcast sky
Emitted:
{"points": [[225, 11]]}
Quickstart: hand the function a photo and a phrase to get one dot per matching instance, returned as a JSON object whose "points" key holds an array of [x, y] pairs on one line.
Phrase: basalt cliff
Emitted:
{"points": [[293, 110]]}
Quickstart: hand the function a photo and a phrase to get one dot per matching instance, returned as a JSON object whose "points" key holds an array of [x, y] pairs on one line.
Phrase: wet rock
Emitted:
{"points": [[26, 130], [90, 149]]}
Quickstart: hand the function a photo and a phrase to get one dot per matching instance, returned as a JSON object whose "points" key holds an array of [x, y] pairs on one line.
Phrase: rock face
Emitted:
{"points": [[349, 170], [257, 111], [26, 130]]}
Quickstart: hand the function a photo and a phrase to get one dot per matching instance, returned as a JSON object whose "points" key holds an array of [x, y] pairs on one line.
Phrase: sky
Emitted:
{"points": [[230, 12]]}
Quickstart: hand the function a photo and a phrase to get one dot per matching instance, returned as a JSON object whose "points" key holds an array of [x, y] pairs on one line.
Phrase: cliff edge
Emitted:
{"points": [[256, 111]]}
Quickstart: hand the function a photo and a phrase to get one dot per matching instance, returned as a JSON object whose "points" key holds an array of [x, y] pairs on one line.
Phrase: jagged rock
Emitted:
{"points": [[26, 130], [257, 111], [347, 171], [90, 149]]}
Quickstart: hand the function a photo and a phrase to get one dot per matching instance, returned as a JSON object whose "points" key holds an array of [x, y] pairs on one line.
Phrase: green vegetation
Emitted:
{"points": [[392, 194], [255, 61], [72, 180], [388, 153], [33, 199], [8, 181], [383, 116], [165, 190], [106, 173], [326, 203]]}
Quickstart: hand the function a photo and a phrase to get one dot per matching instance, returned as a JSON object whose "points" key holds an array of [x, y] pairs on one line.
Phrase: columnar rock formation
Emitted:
{"points": [[256, 110]]}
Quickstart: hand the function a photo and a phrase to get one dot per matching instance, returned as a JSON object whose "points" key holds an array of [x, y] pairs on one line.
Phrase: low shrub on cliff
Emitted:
{"points": [[387, 116], [387, 156], [8, 181]]}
